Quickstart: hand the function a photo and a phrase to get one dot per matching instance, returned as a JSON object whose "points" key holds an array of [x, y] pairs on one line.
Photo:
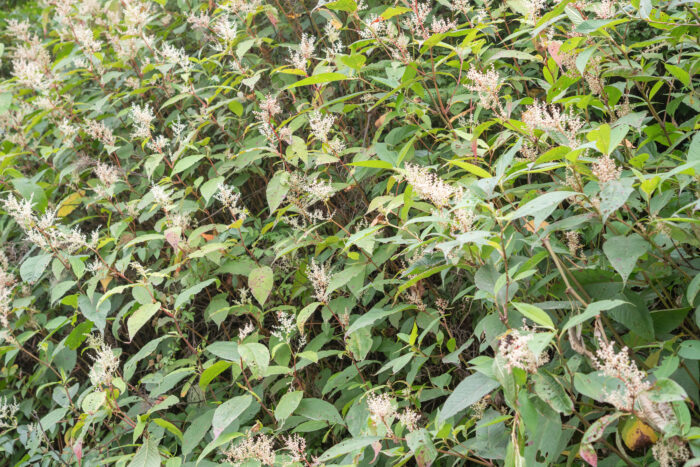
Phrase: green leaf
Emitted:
{"points": [[187, 294], [147, 455], [373, 164], [541, 203], [226, 350], [592, 310], [260, 281], [394, 11], [624, 251], [141, 317], [31, 191], [305, 314], [469, 391], [371, 317], [78, 335], [352, 445], [210, 187], [693, 288], [342, 5], [471, 168], [534, 314], [550, 390], [318, 409], [229, 411], [689, 350], [613, 195], [318, 79], [212, 372], [93, 402], [288, 404], [256, 356], [97, 313], [277, 189], [679, 73], [196, 431], [186, 162], [170, 427], [33, 267]]}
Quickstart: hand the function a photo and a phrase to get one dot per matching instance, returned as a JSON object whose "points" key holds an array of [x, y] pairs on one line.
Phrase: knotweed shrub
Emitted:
{"points": [[349, 233]]}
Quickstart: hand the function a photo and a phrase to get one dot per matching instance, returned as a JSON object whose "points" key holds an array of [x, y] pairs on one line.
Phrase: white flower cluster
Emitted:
{"points": [[100, 131], [382, 410], [619, 366], [551, 119], [299, 58], [605, 169], [320, 278], [142, 117], [7, 285], [515, 350], [486, 85], [43, 231], [105, 363], [429, 186], [259, 448], [231, 200], [8, 412]]}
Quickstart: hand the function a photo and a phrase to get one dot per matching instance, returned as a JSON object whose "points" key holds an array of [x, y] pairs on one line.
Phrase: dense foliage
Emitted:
{"points": [[284, 232]]}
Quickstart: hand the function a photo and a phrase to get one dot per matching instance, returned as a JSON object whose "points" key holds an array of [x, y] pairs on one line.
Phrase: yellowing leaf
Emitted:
{"points": [[70, 204], [637, 434], [471, 168]]}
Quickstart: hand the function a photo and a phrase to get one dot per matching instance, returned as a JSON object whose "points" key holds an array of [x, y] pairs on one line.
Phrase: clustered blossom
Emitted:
{"points": [[551, 119], [7, 285], [286, 326], [319, 277], [105, 363], [533, 8], [618, 365], [175, 56], [160, 196], [332, 36], [43, 231], [409, 418], [380, 406], [321, 125], [241, 7], [463, 220], [670, 452], [573, 242], [429, 186], [245, 331], [306, 51], [231, 200], [318, 190], [8, 412], [259, 448], [296, 445], [159, 143], [486, 85], [107, 174], [84, 36], [605, 170], [269, 107], [142, 117], [100, 131], [479, 407], [605, 9], [226, 29], [514, 348]]}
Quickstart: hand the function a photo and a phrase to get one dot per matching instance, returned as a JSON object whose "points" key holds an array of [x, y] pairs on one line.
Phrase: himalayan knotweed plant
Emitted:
{"points": [[349, 232]]}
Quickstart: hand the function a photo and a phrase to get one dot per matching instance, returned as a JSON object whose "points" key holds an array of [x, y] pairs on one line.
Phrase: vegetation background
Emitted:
{"points": [[280, 232]]}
